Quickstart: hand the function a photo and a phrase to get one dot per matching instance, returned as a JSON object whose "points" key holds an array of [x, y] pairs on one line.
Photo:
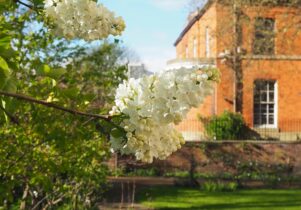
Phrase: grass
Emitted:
{"points": [[186, 198]]}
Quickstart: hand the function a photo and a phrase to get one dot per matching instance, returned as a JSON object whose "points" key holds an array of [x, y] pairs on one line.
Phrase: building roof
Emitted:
{"points": [[193, 20], [137, 70]]}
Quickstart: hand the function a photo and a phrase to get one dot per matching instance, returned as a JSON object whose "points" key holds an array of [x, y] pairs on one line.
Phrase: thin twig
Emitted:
{"points": [[133, 193], [24, 196], [54, 106], [10, 116], [24, 4], [89, 120], [45, 198]]}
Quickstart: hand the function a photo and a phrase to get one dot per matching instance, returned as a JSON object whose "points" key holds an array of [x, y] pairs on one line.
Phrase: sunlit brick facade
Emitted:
{"points": [[271, 68]]}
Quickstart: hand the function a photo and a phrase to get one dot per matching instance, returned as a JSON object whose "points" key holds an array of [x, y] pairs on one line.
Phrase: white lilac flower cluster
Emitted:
{"points": [[84, 19], [154, 105]]}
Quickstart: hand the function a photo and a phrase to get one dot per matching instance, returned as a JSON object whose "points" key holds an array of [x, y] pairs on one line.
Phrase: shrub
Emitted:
{"points": [[178, 174], [231, 186], [147, 172], [228, 126], [211, 186]]}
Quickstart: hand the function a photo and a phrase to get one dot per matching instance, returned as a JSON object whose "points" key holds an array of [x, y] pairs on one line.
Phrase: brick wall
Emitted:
{"points": [[287, 74], [198, 31], [284, 66]]}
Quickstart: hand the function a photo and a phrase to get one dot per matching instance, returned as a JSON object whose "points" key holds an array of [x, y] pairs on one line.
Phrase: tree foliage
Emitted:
{"points": [[49, 158]]}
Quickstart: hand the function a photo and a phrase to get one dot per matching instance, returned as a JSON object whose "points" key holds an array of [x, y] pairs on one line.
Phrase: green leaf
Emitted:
{"points": [[57, 73], [10, 85], [117, 133], [47, 71], [71, 93], [4, 72], [4, 4], [6, 50], [3, 104], [4, 67]]}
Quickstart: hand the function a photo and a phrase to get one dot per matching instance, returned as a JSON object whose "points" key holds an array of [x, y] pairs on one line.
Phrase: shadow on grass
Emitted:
{"points": [[246, 205], [168, 198]]}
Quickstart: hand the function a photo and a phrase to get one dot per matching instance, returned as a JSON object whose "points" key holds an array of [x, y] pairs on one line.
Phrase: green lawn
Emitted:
{"points": [[185, 198]]}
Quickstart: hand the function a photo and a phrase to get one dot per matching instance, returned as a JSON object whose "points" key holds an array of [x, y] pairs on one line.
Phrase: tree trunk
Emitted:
{"points": [[237, 62], [25, 194]]}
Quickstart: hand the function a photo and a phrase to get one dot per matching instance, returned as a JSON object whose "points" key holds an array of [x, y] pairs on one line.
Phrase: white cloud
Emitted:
{"points": [[170, 4]]}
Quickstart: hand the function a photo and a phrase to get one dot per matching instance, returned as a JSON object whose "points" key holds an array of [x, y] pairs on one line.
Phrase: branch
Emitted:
{"points": [[46, 197], [54, 106], [24, 4]]}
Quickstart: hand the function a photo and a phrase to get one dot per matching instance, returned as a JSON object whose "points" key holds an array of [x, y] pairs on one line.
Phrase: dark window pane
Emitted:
{"points": [[271, 119], [264, 119], [271, 96], [263, 96], [263, 85], [271, 108], [257, 119], [263, 109], [256, 98], [271, 85], [256, 108]]}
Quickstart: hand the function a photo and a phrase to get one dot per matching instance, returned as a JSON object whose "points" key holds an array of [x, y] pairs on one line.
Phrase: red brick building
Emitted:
{"points": [[257, 49]]}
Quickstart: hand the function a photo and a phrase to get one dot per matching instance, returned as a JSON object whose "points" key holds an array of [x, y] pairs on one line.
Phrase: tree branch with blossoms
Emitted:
{"points": [[83, 19], [154, 105], [148, 108]]}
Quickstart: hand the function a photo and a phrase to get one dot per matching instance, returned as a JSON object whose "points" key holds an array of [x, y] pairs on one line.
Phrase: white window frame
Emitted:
{"points": [[186, 51], [195, 48], [207, 42], [275, 125]]}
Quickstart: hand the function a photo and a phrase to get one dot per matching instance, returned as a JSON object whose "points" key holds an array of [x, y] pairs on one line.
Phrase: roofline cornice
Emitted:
{"points": [[210, 2], [194, 20]]}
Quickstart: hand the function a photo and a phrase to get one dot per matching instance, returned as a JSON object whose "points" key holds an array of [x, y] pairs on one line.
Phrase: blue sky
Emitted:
{"points": [[152, 27]]}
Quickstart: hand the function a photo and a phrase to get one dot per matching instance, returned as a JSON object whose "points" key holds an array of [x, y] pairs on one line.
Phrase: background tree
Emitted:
{"points": [[50, 158]]}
